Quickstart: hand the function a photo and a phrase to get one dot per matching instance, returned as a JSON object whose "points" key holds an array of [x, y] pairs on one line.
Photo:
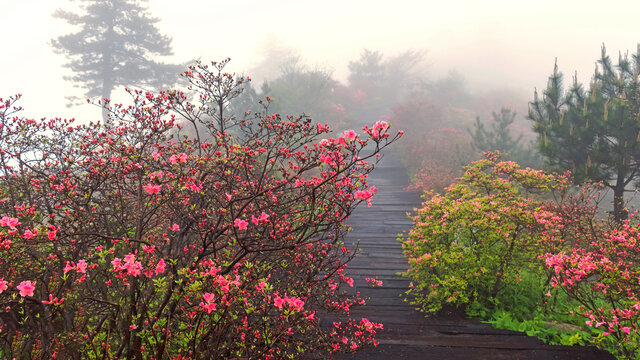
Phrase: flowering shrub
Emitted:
{"points": [[479, 238], [603, 276], [180, 231], [523, 250]]}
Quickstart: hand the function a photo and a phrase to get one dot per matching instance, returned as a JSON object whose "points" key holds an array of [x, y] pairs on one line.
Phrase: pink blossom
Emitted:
{"points": [[278, 302], [28, 234], [26, 288], [364, 195], [178, 158], [350, 134], [626, 330], [380, 126], [209, 304], [68, 267], [295, 303], [175, 227], [51, 234], [209, 307], [263, 218], [9, 222], [129, 258], [81, 267], [133, 269], [152, 188], [160, 267], [3, 285], [117, 263], [240, 224], [53, 300], [156, 155], [209, 297], [322, 128]]}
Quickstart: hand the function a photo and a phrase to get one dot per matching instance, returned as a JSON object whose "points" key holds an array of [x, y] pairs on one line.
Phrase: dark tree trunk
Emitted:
{"points": [[620, 214]]}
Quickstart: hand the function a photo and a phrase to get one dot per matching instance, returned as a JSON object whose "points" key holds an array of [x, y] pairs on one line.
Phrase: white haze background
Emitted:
{"points": [[492, 44]]}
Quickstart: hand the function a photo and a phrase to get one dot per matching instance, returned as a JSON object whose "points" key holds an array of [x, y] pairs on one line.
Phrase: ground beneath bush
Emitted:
{"points": [[407, 334]]}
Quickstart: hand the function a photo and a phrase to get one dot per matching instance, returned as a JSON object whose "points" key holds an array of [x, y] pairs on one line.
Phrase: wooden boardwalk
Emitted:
{"points": [[407, 334]]}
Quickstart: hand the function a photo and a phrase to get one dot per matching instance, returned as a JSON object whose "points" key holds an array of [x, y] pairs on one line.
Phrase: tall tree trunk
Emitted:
{"points": [[620, 214]]}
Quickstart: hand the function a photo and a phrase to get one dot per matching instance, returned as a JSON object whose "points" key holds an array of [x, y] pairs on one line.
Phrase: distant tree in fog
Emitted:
{"points": [[114, 46], [594, 133], [499, 138], [369, 68], [300, 88], [378, 83]]}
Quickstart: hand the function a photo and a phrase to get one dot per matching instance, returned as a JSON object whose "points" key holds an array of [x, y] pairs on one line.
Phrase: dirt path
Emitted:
{"points": [[407, 334]]}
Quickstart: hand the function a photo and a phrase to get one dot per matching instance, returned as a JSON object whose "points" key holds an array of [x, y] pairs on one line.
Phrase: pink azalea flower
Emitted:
{"points": [[117, 263], [68, 267], [3, 285], [28, 234], [209, 307], [295, 303], [26, 288], [129, 258], [626, 330], [209, 297], [160, 267], [350, 134], [9, 222], [134, 269], [81, 267], [322, 128], [380, 126], [278, 302], [364, 195], [152, 188], [240, 224]]}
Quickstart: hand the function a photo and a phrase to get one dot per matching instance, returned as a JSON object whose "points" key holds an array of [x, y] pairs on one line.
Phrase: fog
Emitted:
{"points": [[491, 44]]}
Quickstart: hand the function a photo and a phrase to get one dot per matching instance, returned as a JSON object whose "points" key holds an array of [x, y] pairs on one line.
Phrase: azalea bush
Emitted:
{"points": [[479, 239], [180, 231], [524, 250], [603, 276]]}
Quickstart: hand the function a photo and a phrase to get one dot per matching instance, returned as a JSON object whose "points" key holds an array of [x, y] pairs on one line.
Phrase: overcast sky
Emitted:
{"points": [[492, 43]]}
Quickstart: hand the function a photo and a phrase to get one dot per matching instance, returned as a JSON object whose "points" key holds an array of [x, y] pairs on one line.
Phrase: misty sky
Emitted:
{"points": [[493, 44]]}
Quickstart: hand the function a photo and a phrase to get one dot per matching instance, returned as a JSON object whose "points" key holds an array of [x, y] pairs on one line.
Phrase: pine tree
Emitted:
{"points": [[499, 137], [114, 47], [595, 133]]}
